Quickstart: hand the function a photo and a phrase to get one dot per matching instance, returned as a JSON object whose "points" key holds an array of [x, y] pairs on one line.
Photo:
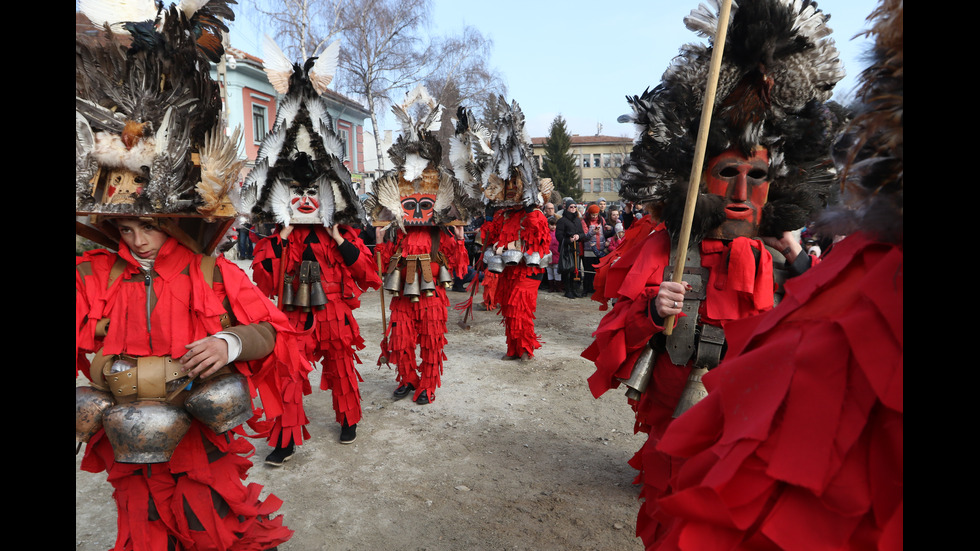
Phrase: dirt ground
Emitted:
{"points": [[510, 455]]}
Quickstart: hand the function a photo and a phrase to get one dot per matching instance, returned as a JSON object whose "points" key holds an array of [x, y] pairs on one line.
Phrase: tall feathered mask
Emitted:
{"points": [[778, 71], [145, 105], [299, 175], [500, 159], [419, 191]]}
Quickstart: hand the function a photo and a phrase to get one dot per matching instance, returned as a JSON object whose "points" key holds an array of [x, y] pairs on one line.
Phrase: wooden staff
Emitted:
{"points": [[694, 183], [384, 322]]}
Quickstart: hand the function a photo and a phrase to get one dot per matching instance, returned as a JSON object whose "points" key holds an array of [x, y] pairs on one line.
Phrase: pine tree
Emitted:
{"points": [[558, 163]]}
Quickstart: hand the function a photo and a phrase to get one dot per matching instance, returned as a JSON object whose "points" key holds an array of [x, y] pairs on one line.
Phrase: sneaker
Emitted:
{"points": [[403, 391], [280, 455], [348, 433], [423, 398]]}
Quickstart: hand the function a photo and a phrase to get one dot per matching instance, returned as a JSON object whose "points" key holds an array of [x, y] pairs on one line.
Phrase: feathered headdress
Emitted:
{"points": [[302, 153], [499, 160], [148, 139], [416, 155], [777, 74], [872, 151]]}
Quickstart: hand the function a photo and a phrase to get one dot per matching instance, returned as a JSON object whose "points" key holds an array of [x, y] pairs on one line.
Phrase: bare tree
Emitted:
{"points": [[300, 27], [461, 76], [461, 68], [383, 50]]}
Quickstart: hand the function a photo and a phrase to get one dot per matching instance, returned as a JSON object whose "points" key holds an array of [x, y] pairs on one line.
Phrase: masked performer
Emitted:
{"points": [[316, 264], [768, 158], [424, 210], [799, 443], [517, 239], [170, 338]]}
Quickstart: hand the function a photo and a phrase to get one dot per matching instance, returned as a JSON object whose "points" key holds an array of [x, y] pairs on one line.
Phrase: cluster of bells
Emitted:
{"points": [[639, 379], [309, 295], [512, 257], [148, 430], [397, 285]]}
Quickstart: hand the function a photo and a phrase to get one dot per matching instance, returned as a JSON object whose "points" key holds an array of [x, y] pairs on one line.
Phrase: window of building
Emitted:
{"points": [[596, 160], [259, 124], [606, 160], [617, 159], [585, 161], [587, 185], [345, 141], [607, 184], [616, 185]]}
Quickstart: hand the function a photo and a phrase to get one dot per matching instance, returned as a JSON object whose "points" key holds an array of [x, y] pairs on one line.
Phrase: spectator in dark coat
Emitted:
{"points": [[570, 232]]}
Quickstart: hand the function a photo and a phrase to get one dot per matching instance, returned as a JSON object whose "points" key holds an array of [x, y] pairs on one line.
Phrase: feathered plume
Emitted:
{"points": [[871, 153], [303, 149], [150, 101], [416, 156]]}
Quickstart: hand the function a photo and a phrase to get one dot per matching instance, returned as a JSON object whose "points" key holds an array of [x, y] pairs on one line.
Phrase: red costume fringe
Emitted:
{"points": [[421, 323], [516, 291], [331, 334], [197, 499], [738, 287], [799, 443]]}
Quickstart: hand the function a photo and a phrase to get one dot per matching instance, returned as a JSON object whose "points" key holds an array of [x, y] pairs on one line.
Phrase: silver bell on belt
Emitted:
{"points": [[145, 431], [393, 282], [693, 393], [90, 404], [495, 264], [445, 278], [222, 402], [512, 257]]}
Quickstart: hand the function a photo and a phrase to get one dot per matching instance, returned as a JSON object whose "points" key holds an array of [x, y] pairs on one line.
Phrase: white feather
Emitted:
{"points": [[276, 65], [327, 202], [325, 67], [279, 197], [271, 146], [117, 12], [414, 165], [331, 142]]}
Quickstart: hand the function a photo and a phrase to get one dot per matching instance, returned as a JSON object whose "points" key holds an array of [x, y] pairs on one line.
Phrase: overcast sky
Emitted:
{"points": [[581, 58]]}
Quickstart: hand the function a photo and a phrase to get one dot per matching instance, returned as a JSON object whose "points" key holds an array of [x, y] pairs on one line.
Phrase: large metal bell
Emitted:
{"points": [[512, 257], [393, 282], [145, 431], [640, 375], [222, 402], [90, 404], [694, 391]]}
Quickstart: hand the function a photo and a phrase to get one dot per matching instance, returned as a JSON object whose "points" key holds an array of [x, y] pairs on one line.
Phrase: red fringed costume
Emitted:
{"points": [[421, 323], [517, 287], [799, 443], [196, 500], [331, 334], [738, 286]]}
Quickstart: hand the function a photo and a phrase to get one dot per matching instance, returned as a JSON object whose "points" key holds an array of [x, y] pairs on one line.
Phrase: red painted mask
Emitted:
{"points": [[305, 204], [744, 182], [417, 208]]}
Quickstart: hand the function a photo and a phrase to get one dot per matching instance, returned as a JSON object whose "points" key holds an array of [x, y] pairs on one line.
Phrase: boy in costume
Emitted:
{"points": [[170, 337]]}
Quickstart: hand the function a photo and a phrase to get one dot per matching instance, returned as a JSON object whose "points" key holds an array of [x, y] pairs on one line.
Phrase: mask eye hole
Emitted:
{"points": [[729, 172], [409, 204], [758, 174], [426, 204]]}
